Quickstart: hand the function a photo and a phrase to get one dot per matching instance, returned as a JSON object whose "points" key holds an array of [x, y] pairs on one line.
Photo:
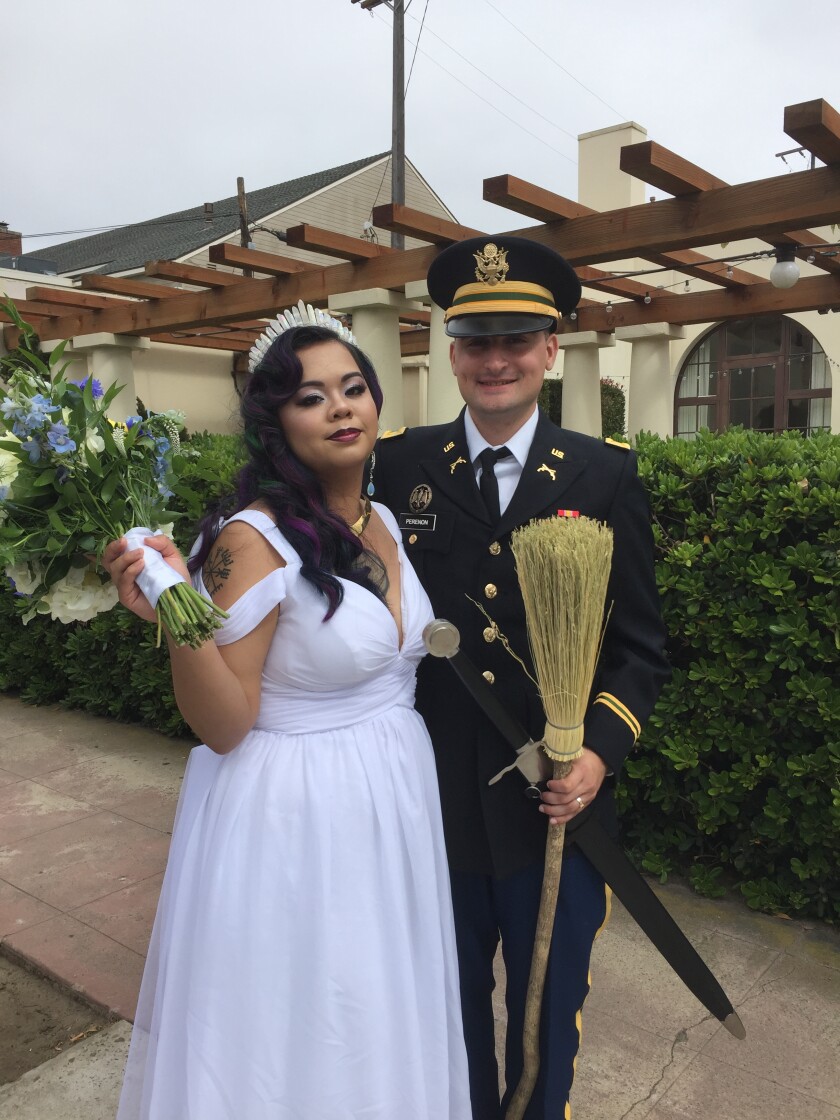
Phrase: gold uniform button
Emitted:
{"points": [[489, 677], [495, 548], [412, 539], [491, 591], [490, 634]]}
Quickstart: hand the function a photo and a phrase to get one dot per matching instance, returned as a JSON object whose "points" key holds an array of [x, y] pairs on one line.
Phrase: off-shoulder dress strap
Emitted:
{"points": [[254, 604], [389, 521]]}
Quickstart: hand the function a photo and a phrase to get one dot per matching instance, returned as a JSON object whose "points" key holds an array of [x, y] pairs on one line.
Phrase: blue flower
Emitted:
{"points": [[132, 420], [11, 409], [59, 439], [33, 449], [96, 387]]}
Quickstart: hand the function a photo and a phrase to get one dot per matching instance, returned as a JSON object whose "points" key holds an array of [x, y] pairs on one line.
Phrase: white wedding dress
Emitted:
{"points": [[302, 964]]}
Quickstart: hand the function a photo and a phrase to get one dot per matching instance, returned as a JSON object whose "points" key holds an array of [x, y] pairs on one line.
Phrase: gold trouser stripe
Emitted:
{"points": [[624, 713], [567, 1113]]}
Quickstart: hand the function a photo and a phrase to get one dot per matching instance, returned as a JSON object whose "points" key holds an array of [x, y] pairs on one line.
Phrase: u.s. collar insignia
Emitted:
{"points": [[491, 264], [457, 462], [548, 470], [449, 446], [557, 454], [420, 498]]}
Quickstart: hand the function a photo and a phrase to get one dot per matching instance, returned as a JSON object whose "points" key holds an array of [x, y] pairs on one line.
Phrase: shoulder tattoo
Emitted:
{"points": [[217, 568]]}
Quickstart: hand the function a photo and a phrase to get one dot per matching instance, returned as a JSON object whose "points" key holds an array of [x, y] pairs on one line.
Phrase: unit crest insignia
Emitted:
{"points": [[491, 264], [420, 498]]}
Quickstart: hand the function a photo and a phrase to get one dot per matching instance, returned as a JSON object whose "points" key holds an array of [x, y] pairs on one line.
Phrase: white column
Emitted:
{"points": [[650, 405], [110, 359], [444, 400], [582, 380], [376, 325]]}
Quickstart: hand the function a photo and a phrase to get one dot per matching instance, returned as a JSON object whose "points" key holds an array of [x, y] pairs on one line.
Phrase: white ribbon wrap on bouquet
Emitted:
{"points": [[157, 575]]}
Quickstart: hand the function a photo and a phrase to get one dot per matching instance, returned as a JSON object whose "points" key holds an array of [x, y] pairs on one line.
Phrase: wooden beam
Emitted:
{"points": [[759, 209], [423, 317], [816, 126], [669, 172], [125, 286], [811, 293], [29, 310], [332, 244], [665, 170], [414, 342], [425, 227], [530, 200], [215, 342], [192, 274], [535, 202], [70, 297], [272, 264], [249, 298]]}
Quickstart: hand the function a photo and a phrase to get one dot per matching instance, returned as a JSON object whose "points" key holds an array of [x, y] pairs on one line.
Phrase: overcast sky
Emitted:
{"points": [[116, 111]]}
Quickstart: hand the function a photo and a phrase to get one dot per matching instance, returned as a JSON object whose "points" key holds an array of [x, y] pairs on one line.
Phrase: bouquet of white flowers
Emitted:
{"points": [[71, 480]]}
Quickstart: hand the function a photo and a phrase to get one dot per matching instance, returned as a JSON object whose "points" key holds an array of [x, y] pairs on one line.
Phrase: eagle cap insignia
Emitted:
{"points": [[491, 264]]}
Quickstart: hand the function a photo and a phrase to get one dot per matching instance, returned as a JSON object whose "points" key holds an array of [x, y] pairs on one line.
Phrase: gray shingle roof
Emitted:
{"points": [[175, 235]]}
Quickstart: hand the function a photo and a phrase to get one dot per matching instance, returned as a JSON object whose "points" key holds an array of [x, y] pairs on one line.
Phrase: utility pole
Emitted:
{"points": [[244, 233], [397, 105]]}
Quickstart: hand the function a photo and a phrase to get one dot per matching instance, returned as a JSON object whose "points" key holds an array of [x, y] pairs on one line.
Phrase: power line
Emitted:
{"points": [[496, 108], [544, 54], [417, 44]]}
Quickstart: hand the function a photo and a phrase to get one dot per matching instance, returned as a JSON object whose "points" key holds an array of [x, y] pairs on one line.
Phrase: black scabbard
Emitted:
{"points": [[612, 863]]}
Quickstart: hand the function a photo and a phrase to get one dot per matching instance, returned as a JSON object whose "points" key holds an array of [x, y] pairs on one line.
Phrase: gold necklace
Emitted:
{"points": [[359, 526]]}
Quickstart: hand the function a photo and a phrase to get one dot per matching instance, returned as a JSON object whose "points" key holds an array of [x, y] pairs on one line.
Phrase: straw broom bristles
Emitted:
{"points": [[563, 566]]}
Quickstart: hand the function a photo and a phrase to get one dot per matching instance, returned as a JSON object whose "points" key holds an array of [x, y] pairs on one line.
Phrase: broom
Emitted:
{"points": [[563, 566]]}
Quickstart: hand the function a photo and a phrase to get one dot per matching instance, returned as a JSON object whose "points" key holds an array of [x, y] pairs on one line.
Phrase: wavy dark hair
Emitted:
{"points": [[290, 490]]}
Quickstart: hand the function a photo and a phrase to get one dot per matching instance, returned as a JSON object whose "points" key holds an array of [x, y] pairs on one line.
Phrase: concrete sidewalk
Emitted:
{"points": [[85, 812]]}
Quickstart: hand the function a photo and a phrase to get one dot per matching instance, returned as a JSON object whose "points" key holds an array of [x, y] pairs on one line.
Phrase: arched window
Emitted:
{"points": [[767, 373]]}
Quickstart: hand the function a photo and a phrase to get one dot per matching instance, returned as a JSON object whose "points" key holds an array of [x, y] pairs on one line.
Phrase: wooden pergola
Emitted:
{"points": [[225, 311]]}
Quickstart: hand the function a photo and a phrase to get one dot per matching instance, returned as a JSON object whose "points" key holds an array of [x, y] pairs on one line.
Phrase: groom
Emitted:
{"points": [[458, 491]]}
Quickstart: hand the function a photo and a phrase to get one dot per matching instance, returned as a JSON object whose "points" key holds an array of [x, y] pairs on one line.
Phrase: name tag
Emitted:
{"points": [[417, 520]]}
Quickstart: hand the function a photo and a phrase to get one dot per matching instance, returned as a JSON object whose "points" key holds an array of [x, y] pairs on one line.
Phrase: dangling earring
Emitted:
{"points": [[371, 489]]}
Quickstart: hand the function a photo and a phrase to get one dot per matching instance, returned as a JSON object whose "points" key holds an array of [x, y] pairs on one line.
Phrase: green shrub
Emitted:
{"points": [[736, 779], [737, 776], [612, 404]]}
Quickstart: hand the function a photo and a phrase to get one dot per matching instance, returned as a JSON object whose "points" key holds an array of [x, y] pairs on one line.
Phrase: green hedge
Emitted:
{"points": [[735, 780], [612, 404], [737, 776]]}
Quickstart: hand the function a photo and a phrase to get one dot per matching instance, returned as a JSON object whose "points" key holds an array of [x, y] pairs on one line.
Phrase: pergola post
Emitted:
{"points": [[650, 405], [443, 399], [376, 325], [582, 380], [110, 360]]}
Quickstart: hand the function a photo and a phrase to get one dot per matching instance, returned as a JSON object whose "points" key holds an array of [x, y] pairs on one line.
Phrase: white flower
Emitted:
{"points": [[80, 596], [94, 442], [26, 576], [9, 464]]}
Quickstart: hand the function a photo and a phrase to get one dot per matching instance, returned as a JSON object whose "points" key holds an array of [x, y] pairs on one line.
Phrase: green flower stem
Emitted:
{"points": [[189, 618]]}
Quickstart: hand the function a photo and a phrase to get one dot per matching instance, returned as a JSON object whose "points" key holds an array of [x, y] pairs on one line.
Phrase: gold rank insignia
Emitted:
{"points": [[449, 446], [491, 265], [420, 498], [548, 470], [557, 454], [393, 433], [618, 443], [455, 464]]}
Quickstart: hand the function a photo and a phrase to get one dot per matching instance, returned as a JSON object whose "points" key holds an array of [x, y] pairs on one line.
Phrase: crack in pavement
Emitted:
{"points": [[681, 1036]]}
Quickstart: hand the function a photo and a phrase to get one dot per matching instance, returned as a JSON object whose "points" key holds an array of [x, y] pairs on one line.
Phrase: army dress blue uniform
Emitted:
{"points": [[495, 835]]}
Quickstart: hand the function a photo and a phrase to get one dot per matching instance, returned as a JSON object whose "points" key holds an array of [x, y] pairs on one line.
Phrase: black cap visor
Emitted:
{"points": [[475, 325]]}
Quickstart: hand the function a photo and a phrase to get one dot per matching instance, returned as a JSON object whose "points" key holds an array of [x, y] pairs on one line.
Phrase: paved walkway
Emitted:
{"points": [[85, 812]]}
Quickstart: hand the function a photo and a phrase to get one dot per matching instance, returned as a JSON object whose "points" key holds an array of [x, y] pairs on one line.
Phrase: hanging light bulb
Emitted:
{"points": [[573, 315], [811, 258], [647, 297], [785, 272], [730, 272], [687, 286], [608, 308]]}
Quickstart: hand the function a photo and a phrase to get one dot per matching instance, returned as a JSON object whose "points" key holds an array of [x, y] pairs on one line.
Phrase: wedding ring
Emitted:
{"points": [[581, 802]]}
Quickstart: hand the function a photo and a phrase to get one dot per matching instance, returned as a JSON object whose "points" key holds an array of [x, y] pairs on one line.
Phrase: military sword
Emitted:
{"points": [[442, 639]]}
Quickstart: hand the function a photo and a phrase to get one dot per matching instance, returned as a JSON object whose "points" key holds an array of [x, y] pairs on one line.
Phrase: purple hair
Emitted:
{"points": [[276, 477]]}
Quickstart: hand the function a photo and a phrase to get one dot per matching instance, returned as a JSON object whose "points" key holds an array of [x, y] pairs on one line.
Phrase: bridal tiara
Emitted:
{"points": [[304, 315]]}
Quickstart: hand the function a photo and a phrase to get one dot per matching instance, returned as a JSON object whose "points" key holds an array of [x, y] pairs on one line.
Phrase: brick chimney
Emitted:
{"points": [[10, 241]]}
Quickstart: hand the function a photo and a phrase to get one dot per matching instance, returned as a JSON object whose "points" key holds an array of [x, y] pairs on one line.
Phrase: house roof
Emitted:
{"points": [[176, 235]]}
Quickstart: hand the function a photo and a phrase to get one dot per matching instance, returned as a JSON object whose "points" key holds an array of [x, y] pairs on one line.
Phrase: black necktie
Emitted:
{"points": [[488, 483]]}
